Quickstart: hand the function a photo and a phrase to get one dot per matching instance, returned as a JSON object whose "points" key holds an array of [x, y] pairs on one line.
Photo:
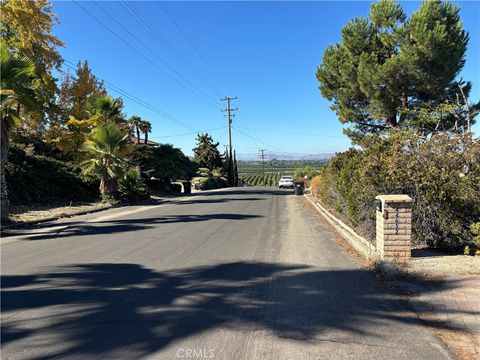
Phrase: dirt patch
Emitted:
{"points": [[440, 265], [461, 343], [31, 213]]}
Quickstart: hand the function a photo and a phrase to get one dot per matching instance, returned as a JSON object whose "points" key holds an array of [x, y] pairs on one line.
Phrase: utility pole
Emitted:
{"points": [[229, 119], [229, 111], [263, 156]]}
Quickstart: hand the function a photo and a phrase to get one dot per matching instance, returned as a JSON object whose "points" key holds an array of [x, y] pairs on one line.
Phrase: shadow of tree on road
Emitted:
{"points": [[80, 228], [106, 309]]}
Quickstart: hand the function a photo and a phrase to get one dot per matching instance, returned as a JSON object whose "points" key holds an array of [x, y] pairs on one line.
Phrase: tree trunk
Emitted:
{"points": [[392, 120], [138, 134], [108, 187], [146, 137], [5, 205]]}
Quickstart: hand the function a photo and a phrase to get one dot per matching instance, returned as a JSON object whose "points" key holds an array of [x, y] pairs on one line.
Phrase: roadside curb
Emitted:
{"points": [[27, 224]]}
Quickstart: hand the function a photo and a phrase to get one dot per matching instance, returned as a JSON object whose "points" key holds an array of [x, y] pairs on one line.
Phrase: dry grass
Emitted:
{"points": [[23, 213], [460, 342]]}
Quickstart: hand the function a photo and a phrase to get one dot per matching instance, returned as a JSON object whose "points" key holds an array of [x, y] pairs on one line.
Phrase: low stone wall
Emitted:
{"points": [[393, 240]]}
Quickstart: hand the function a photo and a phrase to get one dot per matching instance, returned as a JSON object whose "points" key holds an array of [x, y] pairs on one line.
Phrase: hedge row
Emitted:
{"points": [[39, 179], [441, 174]]}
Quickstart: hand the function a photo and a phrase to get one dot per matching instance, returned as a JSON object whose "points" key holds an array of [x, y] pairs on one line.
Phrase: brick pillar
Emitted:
{"points": [[394, 227]]}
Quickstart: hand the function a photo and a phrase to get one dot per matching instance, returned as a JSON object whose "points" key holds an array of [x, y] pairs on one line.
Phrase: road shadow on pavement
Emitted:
{"points": [[81, 228], [111, 310]]}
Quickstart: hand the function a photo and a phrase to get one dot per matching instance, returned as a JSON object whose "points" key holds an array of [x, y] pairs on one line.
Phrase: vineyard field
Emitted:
{"points": [[252, 179], [251, 173]]}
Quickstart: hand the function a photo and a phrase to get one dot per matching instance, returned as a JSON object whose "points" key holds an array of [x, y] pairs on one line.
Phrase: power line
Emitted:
{"points": [[141, 102], [243, 120], [295, 133], [220, 139], [143, 21], [155, 54], [205, 60], [263, 142], [244, 140], [194, 47], [140, 54], [190, 133]]}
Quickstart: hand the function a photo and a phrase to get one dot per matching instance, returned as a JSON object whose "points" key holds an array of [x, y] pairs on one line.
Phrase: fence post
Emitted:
{"points": [[394, 227]]}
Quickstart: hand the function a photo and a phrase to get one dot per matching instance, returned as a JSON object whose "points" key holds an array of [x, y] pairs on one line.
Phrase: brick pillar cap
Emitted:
{"points": [[394, 198]]}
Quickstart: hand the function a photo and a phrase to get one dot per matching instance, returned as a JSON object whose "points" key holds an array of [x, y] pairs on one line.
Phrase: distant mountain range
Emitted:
{"points": [[272, 155]]}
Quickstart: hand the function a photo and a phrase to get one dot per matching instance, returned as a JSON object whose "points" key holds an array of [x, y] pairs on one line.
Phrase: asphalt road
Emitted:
{"points": [[234, 274]]}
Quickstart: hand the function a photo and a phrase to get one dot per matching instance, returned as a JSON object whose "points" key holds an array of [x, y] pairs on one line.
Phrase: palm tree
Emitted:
{"points": [[145, 127], [135, 122], [104, 109], [16, 92], [108, 148]]}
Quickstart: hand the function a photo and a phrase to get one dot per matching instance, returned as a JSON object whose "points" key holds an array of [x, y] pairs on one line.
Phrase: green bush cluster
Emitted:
{"points": [[441, 174], [132, 186], [164, 162], [308, 171], [474, 247], [207, 179], [38, 179]]}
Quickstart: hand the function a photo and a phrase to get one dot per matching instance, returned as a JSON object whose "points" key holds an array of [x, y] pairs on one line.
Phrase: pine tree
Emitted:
{"points": [[387, 65], [206, 153]]}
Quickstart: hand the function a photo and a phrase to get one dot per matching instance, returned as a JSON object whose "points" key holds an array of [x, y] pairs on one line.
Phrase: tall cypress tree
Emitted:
{"points": [[235, 169]]}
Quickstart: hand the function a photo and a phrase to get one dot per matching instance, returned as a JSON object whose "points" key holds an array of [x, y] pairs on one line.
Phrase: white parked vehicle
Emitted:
{"points": [[285, 181]]}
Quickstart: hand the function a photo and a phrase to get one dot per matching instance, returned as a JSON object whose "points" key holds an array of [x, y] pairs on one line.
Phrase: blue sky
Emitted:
{"points": [[266, 53]]}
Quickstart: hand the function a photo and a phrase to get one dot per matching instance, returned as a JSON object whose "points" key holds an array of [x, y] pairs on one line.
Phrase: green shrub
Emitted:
{"points": [[441, 174], [132, 185], [36, 143], [474, 247], [307, 171], [207, 179], [315, 186], [39, 179], [163, 162]]}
